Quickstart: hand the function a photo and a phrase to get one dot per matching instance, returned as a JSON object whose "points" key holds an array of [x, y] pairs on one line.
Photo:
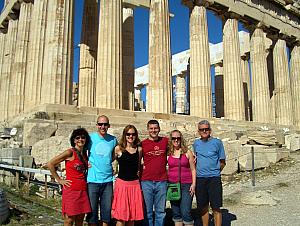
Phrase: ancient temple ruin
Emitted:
{"points": [[36, 58]]}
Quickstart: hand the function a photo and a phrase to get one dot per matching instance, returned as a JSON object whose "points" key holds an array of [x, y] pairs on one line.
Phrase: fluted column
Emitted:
{"points": [[260, 82], [2, 48], [58, 55], [128, 59], [109, 61], [246, 85], [88, 54], [200, 78], [233, 84], [282, 91], [159, 90], [295, 82], [219, 90], [8, 60], [180, 93], [35, 59], [17, 85]]}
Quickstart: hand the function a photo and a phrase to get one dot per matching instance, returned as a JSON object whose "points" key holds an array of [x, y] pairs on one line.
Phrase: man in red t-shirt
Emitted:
{"points": [[154, 174]]}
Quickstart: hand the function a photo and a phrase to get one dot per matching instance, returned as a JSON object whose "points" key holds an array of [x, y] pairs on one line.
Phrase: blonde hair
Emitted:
{"points": [[183, 146]]}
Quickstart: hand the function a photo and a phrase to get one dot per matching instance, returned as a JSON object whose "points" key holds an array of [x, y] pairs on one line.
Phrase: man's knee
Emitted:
{"points": [[203, 210]]}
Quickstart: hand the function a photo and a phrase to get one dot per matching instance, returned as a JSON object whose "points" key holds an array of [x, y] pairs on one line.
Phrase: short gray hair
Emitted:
{"points": [[204, 122]]}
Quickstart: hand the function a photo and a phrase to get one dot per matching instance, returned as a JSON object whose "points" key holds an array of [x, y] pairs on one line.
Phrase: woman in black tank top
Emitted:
{"points": [[127, 205]]}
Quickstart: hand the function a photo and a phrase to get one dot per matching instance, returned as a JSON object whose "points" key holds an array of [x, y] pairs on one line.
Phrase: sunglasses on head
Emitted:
{"points": [[204, 129], [102, 123], [80, 137], [128, 134], [176, 138]]}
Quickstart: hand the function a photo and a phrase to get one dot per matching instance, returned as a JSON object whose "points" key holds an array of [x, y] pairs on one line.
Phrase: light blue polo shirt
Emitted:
{"points": [[209, 153], [100, 158]]}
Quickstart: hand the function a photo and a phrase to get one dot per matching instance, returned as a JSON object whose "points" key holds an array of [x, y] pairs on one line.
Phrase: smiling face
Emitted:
{"points": [[79, 141], [204, 131], [102, 125], [153, 130], [176, 139], [130, 136]]}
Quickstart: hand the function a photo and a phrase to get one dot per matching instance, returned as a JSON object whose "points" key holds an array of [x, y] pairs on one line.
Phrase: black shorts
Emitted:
{"points": [[209, 191]]}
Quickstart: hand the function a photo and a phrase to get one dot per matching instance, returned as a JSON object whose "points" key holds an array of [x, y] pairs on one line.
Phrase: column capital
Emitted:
{"points": [[191, 3]]}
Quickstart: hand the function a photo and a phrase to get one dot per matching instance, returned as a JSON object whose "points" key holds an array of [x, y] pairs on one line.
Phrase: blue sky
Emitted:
{"points": [[179, 26]]}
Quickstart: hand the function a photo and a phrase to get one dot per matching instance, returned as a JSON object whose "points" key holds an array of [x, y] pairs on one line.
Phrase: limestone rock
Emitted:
{"points": [[259, 198], [263, 137], [231, 151], [11, 155], [44, 150], [36, 131], [292, 142]]}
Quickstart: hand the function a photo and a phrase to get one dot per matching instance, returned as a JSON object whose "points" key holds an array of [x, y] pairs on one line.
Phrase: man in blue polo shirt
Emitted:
{"points": [[100, 173], [210, 162]]}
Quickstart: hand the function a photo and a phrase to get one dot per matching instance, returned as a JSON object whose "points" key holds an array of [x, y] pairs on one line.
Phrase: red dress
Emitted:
{"points": [[75, 198]]}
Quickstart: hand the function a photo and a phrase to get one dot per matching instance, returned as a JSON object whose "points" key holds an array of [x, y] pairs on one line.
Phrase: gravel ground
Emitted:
{"points": [[278, 186]]}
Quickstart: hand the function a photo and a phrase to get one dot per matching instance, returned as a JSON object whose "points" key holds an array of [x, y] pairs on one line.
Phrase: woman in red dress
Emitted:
{"points": [[75, 202]]}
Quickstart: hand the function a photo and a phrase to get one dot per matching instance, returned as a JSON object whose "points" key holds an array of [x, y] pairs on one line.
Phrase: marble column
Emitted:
{"points": [[233, 84], [109, 58], [295, 82], [128, 59], [88, 54], [282, 91], [260, 81], [246, 85], [180, 93], [159, 90], [58, 56], [35, 62], [9, 54], [219, 90], [200, 78], [17, 85], [2, 48]]}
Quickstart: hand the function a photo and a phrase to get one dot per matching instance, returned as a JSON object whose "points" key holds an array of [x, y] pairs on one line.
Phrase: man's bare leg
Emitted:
{"points": [[204, 216], [217, 217]]}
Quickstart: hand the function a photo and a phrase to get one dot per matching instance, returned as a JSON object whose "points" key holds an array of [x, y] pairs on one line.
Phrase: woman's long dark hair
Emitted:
{"points": [[79, 132], [123, 141]]}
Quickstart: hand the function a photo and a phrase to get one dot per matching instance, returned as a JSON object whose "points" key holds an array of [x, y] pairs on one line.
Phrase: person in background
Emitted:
{"points": [[178, 151], [100, 173], [154, 175], [75, 201], [127, 204], [211, 157]]}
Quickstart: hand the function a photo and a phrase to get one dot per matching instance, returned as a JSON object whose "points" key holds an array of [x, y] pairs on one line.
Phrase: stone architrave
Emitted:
{"points": [[58, 56], [109, 58], [282, 91], [17, 85], [180, 93], [246, 86], [295, 82], [159, 90], [128, 59], [260, 82], [9, 53], [233, 84], [88, 54], [34, 70], [219, 91], [200, 78]]}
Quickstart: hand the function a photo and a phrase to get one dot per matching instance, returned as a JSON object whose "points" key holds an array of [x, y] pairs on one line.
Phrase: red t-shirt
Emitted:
{"points": [[155, 159]]}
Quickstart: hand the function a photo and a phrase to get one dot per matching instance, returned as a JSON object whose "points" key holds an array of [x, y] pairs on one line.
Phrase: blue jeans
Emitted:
{"points": [[100, 193], [154, 194], [181, 209]]}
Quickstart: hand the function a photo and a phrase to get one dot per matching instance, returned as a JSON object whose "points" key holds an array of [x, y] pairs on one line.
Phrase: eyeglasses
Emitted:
{"points": [[102, 123], [204, 129], [80, 137], [176, 138], [132, 134]]}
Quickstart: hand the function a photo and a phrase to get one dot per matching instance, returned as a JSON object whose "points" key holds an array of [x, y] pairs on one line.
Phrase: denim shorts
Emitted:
{"points": [[181, 209], [100, 194]]}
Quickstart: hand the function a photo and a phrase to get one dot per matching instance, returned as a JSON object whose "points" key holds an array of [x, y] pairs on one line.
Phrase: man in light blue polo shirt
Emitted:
{"points": [[210, 162], [100, 173]]}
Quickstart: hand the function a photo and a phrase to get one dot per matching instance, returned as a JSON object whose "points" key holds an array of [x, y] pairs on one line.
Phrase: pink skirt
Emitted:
{"points": [[128, 201], [75, 202]]}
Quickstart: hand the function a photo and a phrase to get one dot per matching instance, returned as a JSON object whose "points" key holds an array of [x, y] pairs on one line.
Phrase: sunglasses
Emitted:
{"points": [[102, 123], [204, 129], [176, 138], [80, 137], [128, 134]]}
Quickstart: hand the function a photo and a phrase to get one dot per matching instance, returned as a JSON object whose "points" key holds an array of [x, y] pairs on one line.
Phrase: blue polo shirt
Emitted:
{"points": [[100, 158], [209, 153]]}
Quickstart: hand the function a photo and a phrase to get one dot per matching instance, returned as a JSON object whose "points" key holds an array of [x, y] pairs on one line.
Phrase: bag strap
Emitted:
{"points": [[179, 168]]}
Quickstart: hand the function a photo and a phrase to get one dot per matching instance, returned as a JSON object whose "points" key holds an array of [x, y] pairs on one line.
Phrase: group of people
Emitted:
{"points": [[145, 169]]}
